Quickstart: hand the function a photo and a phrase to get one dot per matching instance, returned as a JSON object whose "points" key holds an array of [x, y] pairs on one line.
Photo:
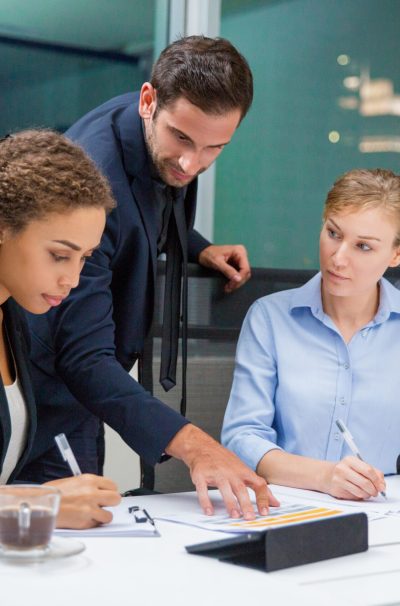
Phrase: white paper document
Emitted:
{"points": [[285, 515], [127, 522], [298, 506], [375, 508]]}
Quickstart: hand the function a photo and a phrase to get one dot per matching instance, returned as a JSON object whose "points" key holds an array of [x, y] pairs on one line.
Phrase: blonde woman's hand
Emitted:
{"points": [[354, 479]]}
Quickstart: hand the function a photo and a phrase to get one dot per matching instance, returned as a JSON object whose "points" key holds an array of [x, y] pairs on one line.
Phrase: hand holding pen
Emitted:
{"points": [[84, 497], [352, 477]]}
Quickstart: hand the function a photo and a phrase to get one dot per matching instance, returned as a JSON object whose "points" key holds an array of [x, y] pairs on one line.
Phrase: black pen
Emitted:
{"points": [[140, 519], [149, 517]]}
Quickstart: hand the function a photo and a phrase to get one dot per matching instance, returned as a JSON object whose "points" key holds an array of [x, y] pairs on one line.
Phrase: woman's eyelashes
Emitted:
{"points": [[333, 234], [363, 246], [60, 258]]}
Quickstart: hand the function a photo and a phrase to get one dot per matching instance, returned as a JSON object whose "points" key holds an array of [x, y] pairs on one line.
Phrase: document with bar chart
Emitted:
{"points": [[285, 515]]}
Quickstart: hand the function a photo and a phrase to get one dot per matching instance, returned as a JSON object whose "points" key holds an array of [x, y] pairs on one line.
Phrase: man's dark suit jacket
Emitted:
{"points": [[17, 335], [81, 351]]}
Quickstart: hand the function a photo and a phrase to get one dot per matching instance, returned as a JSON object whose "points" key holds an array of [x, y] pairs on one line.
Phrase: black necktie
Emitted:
{"points": [[176, 273]]}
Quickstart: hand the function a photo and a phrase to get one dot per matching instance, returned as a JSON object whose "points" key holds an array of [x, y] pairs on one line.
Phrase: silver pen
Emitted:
{"points": [[348, 438], [67, 454]]}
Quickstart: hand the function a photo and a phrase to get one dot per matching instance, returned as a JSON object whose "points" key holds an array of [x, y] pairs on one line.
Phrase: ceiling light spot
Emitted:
{"points": [[352, 82], [348, 102], [334, 136], [343, 59]]}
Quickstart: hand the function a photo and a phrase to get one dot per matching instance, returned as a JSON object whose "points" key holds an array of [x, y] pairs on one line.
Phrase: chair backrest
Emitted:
{"points": [[214, 319], [214, 322]]}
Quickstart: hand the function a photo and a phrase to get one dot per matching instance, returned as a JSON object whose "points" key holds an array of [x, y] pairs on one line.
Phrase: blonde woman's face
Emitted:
{"points": [[41, 264], [356, 248]]}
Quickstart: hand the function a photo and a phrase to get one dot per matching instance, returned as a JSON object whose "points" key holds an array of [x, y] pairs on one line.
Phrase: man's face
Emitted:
{"points": [[182, 140]]}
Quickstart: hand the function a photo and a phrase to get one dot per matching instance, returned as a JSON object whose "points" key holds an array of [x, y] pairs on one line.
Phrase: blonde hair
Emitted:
{"points": [[361, 189]]}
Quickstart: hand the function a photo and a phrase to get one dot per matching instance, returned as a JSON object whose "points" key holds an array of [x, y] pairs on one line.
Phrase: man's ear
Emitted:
{"points": [[147, 101]]}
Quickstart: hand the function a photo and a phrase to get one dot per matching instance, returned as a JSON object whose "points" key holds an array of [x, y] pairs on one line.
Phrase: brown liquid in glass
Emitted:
{"points": [[37, 535]]}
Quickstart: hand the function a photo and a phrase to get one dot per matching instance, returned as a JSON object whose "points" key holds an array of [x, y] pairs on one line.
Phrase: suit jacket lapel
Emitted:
{"points": [[13, 321], [5, 425], [137, 167]]}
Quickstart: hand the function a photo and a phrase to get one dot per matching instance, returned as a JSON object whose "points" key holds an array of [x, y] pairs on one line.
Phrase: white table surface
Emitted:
{"points": [[153, 571]]}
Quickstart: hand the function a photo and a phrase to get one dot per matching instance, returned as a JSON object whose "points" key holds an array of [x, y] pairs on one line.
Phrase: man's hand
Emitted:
{"points": [[82, 500], [211, 464], [230, 260]]}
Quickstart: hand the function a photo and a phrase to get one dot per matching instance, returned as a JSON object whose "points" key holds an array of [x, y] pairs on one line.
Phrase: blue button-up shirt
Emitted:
{"points": [[295, 376]]}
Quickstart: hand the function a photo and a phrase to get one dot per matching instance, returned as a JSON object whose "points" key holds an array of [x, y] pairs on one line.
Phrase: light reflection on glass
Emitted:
{"points": [[352, 82], [343, 59], [376, 144], [348, 102], [334, 136]]}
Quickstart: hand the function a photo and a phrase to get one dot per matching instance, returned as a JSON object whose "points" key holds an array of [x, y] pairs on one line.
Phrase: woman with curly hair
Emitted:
{"points": [[53, 206]]}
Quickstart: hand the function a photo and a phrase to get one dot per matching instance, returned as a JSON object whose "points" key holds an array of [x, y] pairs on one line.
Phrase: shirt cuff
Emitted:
{"points": [[251, 449]]}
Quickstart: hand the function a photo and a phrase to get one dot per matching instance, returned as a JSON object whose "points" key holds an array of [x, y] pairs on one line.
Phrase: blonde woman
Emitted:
{"points": [[326, 351]]}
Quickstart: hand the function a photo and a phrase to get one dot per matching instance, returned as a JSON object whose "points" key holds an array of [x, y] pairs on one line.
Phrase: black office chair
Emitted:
{"points": [[214, 322], [215, 319]]}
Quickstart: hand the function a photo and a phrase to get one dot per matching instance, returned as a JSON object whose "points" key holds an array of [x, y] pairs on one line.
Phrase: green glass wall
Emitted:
{"points": [[53, 89], [327, 99], [59, 60]]}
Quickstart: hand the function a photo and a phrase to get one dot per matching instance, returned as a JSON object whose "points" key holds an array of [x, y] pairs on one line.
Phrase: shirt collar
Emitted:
{"points": [[389, 301], [309, 296]]}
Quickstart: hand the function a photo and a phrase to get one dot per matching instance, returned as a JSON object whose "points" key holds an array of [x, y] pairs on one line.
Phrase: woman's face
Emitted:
{"points": [[356, 247], [40, 264]]}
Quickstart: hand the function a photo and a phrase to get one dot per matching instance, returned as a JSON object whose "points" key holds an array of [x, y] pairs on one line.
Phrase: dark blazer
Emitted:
{"points": [[81, 351], [17, 334]]}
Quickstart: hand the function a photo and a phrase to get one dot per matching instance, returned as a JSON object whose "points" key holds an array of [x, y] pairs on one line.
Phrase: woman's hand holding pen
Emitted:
{"points": [[82, 500], [352, 478]]}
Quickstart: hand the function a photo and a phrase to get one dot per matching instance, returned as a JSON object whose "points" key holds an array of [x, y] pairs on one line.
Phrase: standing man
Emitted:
{"points": [[151, 146]]}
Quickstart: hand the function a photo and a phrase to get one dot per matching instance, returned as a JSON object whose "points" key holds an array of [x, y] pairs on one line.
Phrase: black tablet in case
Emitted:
{"points": [[277, 548]]}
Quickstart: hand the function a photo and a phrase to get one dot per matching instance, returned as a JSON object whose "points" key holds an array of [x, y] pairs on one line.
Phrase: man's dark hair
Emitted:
{"points": [[209, 72]]}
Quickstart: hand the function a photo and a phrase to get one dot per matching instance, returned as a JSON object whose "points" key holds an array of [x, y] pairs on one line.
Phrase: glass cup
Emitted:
{"points": [[27, 518]]}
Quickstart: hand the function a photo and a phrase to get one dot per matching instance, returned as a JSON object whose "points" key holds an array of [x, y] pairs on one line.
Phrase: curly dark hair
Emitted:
{"points": [[209, 72], [43, 172]]}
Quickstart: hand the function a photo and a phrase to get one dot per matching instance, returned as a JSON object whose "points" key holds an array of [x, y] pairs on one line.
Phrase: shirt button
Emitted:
{"points": [[336, 436], [346, 366], [342, 400]]}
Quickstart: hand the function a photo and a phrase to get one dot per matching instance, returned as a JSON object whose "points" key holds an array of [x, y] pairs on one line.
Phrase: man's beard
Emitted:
{"points": [[162, 166]]}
